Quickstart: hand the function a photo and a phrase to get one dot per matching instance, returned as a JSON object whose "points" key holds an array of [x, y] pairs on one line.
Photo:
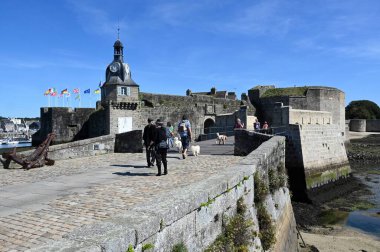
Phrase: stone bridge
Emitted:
{"points": [[112, 201]]}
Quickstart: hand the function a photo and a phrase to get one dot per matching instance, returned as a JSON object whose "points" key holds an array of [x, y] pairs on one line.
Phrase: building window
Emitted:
{"points": [[125, 91]]}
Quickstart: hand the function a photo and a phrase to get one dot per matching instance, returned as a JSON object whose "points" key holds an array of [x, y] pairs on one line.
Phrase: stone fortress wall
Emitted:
{"points": [[287, 115], [314, 99], [196, 214], [82, 123], [363, 125], [312, 124]]}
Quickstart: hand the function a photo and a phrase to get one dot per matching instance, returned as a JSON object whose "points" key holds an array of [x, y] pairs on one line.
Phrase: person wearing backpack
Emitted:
{"points": [[184, 131], [148, 137], [161, 147]]}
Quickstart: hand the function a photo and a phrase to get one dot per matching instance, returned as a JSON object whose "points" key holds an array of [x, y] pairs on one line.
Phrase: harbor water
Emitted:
{"points": [[368, 221]]}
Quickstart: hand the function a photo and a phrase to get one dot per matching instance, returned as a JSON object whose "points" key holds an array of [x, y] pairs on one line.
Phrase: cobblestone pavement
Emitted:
{"points": [[44, 204]]}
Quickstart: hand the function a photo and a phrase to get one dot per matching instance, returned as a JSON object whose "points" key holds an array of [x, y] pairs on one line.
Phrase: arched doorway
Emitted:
{"points": [[208, 124]]}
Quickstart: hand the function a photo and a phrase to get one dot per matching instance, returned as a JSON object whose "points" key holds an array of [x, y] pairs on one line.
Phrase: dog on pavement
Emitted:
{"points": [[221, 139], [195, 149], [178, 144]]}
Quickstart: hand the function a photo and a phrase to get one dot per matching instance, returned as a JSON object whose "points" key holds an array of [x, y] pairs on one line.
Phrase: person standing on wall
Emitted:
{"points": [[161, 145], [256, 125], [184, 130], [265, 127], [148, 137], [238, 124]]}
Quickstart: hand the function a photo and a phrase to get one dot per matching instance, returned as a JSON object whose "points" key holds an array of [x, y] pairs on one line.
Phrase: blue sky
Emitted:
{"points": [[175, 45]]}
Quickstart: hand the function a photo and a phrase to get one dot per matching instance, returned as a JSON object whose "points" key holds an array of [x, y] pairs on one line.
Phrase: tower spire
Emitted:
{"points": [[118, 31]]}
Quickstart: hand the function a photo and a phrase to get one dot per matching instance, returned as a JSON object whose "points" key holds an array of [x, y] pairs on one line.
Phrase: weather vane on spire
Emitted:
{"points": [[118, 31]]}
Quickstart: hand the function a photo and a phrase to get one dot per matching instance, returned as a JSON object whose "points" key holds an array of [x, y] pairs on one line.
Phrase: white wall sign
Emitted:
{"points": [[124, 124]]}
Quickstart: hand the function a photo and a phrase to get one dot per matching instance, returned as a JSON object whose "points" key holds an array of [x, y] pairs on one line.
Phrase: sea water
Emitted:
{"points": [[368, 220], [10, 146]]}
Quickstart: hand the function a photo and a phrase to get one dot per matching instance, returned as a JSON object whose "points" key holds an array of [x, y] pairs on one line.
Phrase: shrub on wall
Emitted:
{"points": [[267, 233], [261, 188], [282, 176], [237, 234]]}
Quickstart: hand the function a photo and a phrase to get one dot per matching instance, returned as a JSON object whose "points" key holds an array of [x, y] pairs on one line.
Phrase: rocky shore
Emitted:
{"points": [[364, 150]]}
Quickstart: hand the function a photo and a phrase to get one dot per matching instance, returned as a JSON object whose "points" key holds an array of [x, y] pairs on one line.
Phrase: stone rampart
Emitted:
{"points": [[195, 215], [320, 151], [358, 125], [363, 125], [247, 141], [82, 148], [129, 142], [67, 123], [285, 115], [373, 125]]}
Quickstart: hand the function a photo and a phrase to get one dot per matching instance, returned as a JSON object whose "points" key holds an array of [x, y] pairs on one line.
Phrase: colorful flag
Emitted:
{"points": [[47, 92], [64, 91], [77, 97], [68, 94], [87, 91], [97, 91], [54, 94], [76, 90]]}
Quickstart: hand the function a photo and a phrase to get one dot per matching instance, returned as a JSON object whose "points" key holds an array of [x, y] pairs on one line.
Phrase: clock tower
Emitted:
{"points": [[119, 88]]}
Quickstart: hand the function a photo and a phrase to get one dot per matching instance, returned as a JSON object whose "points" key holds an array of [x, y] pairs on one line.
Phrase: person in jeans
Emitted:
{"points": [[161, 146], [184, 130], [170, 134], [148, 137]]}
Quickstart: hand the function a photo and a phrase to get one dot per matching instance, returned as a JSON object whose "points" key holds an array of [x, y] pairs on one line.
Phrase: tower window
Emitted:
{"points": [[125, 91]]}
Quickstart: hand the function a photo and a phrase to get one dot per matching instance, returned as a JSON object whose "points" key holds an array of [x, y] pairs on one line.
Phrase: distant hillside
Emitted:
{"points": [[362, 109]]}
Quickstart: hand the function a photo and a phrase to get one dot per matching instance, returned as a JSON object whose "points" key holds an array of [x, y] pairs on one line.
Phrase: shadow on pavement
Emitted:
{"points": [[133, 166], [134, 174]]}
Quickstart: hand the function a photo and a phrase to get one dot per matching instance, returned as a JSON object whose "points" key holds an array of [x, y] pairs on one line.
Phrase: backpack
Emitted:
{"points": [[162, 137], [182, 126]]}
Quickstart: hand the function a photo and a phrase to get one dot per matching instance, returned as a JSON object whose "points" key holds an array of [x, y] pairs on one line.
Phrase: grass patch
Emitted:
{"points": [[180, 247], [147, 246], [294, 91], [362, 205], [332, 217], [130, 248], [375, 172]]}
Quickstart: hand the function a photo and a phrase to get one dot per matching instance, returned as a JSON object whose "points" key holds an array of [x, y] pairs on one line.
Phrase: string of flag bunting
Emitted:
{"points": [[65, 93]]}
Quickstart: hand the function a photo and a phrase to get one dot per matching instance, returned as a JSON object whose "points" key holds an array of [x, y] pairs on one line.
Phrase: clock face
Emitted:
{"points": [[114, 67]]}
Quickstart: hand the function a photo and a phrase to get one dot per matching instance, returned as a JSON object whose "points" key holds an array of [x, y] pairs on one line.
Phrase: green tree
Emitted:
{"points": [[362, 109]]}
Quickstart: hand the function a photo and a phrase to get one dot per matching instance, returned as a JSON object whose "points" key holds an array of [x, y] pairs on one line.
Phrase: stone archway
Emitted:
{"points": [[208, 124]]}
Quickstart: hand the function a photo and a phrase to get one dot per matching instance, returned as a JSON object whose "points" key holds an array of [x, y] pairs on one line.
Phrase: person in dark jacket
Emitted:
{"points": [[148, 137], [161, 145]]}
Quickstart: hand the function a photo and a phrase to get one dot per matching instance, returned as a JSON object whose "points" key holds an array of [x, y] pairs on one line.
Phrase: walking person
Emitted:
{"points": [[161, 145], [170, 134], [184, 130], [148, 137]]}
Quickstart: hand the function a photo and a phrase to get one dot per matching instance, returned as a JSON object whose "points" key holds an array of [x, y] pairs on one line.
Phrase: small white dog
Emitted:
{"points": [[178, 144], [195, 149], [221, 139]]}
